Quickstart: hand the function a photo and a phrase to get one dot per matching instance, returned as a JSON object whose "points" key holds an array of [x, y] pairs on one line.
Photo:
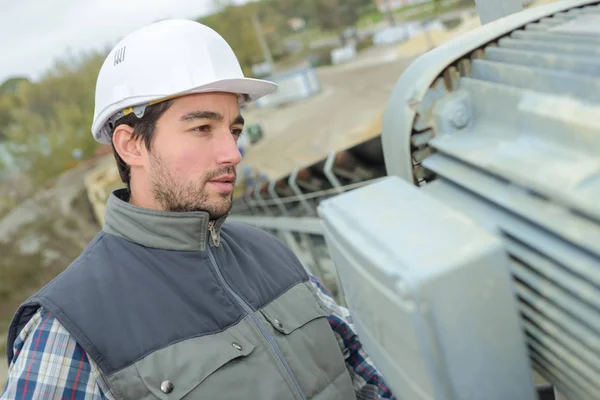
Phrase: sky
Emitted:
{"points": [[35, 33]]}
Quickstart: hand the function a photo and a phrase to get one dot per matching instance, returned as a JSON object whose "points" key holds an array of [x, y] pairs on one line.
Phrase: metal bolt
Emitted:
{"points": [[460, 116]]}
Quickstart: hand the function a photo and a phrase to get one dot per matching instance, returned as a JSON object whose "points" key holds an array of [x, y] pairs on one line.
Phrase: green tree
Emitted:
{"points": [[234, 23], [52, 117], [292, 8], [11, 85], [9, 101], [336, 15]]}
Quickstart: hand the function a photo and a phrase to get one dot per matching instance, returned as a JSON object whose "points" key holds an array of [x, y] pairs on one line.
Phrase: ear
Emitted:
{"points": [[129, 148]]}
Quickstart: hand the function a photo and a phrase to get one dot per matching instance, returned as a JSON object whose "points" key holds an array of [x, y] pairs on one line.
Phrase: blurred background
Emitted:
{"points": [[336, 62]]}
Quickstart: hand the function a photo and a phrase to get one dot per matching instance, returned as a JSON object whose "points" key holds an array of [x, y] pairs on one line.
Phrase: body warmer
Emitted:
{"points": [[172, 305]]}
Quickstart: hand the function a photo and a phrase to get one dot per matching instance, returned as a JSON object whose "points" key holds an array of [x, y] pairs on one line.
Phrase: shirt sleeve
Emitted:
{"points": [[49, 364], [368, 382]]}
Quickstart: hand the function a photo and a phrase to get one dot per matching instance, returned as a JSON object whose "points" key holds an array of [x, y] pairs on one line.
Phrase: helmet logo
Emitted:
{"points": [[120, 55]]}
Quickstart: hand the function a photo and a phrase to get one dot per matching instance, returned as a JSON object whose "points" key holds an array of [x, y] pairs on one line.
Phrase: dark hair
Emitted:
{"points": [[142, 128]]}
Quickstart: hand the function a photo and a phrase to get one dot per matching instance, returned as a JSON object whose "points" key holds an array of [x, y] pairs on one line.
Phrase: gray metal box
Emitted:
{"points": [[430, 294]]}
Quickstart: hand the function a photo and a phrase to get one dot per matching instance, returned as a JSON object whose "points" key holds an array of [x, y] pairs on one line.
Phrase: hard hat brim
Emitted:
{"points": [[254, 89], [250, 90]]}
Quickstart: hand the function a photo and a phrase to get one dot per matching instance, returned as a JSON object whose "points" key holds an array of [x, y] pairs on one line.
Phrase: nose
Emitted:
{"points": [[227, 150]]}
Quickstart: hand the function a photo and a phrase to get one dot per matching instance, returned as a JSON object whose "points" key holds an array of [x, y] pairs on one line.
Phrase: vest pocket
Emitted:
{"points": [[305, 339], [294, 309], [175, 371]]}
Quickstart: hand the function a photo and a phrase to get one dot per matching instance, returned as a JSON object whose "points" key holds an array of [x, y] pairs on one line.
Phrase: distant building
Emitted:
{"points": [[296, 24], [386, 5], [262, 70]]}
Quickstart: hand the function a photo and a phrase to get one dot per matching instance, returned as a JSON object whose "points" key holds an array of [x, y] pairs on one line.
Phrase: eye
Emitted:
{"points": [[202, 128], [236, 132]]}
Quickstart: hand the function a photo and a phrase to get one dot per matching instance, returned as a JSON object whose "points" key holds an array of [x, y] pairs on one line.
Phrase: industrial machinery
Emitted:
{"points": [[466, 239]]}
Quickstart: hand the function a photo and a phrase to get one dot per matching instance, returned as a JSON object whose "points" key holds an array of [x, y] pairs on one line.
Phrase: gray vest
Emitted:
{"points": [[172, 306]]}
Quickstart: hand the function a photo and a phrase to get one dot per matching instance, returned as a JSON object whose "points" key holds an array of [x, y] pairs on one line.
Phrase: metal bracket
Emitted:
{"points": [[261, 202], [329, 174], [298, 192], [249, 202], [276, 198]]}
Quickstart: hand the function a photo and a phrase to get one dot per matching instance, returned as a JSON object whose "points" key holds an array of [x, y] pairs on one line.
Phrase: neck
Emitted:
{"points": [[142, 197]]}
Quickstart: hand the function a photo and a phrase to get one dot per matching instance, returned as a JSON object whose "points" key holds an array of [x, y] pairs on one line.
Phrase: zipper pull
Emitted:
{"points": [[215, 239]]}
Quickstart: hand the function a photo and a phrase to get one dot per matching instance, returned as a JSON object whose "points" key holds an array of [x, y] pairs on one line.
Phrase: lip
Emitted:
{"points": [[224, 179], [223, 183]]}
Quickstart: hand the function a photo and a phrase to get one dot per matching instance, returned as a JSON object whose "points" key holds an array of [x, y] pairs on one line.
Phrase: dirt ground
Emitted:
{"points": [[347, 111]]}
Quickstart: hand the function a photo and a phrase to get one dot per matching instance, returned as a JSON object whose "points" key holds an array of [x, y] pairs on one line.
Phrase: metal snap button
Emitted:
{"points": [[277, 323], [237, 346], [167, 387]]}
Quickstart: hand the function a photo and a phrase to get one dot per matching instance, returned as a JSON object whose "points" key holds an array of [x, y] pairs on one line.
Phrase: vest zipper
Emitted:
{"points": [[216, 240], [214, 237]]}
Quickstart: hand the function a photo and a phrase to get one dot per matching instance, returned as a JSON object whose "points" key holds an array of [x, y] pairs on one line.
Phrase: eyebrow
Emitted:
{"points": [[215, 116], [211, 115], [239, 120]]}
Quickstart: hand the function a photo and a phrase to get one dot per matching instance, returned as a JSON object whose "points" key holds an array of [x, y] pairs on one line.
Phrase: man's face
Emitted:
{"points": [[193, 158]]}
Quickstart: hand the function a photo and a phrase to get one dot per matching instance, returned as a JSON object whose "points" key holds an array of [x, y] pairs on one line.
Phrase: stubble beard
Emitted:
{"points": [[177, 196]]}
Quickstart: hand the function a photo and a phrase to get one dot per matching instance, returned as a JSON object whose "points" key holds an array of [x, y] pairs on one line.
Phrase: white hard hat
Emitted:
{"points": [[164, 60]]}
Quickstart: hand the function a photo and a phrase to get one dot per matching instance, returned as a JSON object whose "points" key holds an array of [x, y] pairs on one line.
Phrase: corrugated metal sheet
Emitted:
{"points": [[516, 145]]}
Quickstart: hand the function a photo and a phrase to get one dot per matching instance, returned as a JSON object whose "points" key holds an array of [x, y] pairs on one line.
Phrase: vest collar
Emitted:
{"points": [[183, 231]]}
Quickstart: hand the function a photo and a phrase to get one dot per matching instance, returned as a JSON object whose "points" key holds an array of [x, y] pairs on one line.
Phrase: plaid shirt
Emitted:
{"points": [[49, 364]]}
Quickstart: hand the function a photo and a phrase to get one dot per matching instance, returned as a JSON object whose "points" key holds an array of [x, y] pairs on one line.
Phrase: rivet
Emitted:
{"points": [[167, 387]]}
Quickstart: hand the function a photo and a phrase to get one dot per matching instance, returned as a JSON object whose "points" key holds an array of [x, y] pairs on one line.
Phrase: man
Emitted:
{"points": [[168, 301]]}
